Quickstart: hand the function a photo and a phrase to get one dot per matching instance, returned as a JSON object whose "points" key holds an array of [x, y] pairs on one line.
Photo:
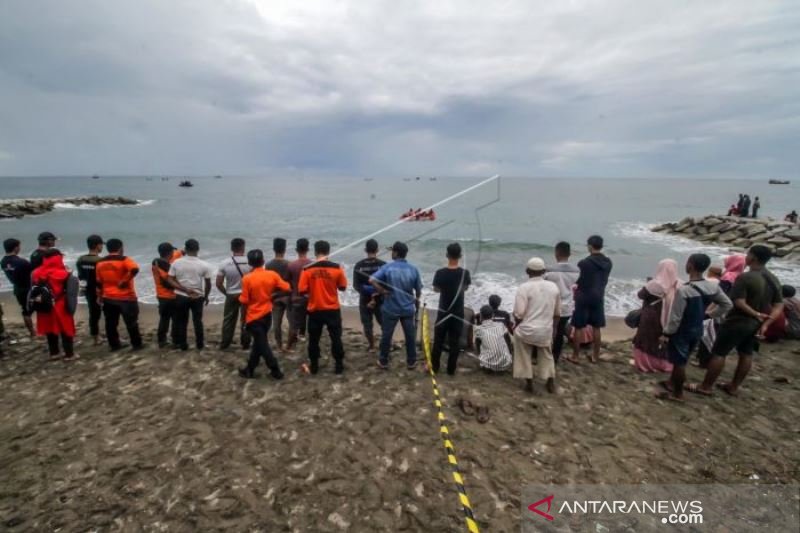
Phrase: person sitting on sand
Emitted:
{"points": [[369, 301], [298, 302], [57, 321], [165, 294], [322, 280], [791, 309], [400, 284], [86, 267], [229, 282], [757, 303], [18, 271], [257, 289], [280, 302], [191, 278], [116, 292], [492, 341], [537, 306], [649, 352], [684, 327], [565, 275], [450, 282], [590, 297]]}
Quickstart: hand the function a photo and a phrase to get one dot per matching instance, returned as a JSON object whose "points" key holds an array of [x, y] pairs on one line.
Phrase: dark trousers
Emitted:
{"points": [[230, 316], [66, 341], [183, 306], [95, 311], [259, 330], [333, 321], [280, 307], [298, 315], [558, 336], [129, 311], [367, 315], [388, 325], [166, 316], [448, 329]]}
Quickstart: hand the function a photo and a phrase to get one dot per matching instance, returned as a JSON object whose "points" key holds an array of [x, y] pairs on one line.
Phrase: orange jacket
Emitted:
{"points": [[257, 288], [322, 281]]}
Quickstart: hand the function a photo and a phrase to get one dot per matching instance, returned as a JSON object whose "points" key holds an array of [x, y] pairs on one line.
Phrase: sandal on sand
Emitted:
{"points": [[466, 406], [664, 395], [726, 388], [482, 414], [694, 388]]}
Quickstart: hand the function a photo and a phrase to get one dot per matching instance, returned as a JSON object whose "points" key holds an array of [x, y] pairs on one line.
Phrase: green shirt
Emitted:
{"points": [[760, 289]]}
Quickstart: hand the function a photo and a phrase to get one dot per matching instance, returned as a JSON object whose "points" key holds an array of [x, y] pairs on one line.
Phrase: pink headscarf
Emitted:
{"points": [[734, 266], [664, 285]]}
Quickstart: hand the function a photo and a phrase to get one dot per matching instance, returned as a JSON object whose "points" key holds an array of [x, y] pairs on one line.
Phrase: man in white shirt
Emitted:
{"points": [[229, 283], [191, 277], [565, 275], [536, 306]]}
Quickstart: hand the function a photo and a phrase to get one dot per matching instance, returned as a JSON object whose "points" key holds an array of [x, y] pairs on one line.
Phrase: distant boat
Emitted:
{"points": [[95, 177], [186, 183], [432, 179], [217, 177], [164, 179], [418, 178], [406, 179], [779, 182]]}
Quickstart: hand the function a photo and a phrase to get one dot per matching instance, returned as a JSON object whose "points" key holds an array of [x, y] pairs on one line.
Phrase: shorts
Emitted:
{"points": [[22, 300], [589, 312], [680, 347], [738, 335]]}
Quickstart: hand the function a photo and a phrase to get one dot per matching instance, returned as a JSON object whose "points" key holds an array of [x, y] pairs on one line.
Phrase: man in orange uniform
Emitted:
{"points": [[117, 295], [321, 280], [256, 297], [165, 293]]}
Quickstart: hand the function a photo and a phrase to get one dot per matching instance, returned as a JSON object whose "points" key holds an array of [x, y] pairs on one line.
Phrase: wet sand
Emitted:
{"points": [[174, 441]]}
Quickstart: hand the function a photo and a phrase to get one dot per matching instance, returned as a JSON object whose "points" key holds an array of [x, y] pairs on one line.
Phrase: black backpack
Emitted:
{"points": [[40, 298]]}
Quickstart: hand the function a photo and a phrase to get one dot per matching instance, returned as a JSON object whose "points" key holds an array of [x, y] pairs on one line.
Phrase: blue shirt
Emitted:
{"points": [[402, 280]]}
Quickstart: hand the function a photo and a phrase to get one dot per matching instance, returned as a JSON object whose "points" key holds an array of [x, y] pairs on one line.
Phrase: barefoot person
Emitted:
{"points": [[280, 302], [229, 283], [191, 278], [400, 284], [18, 271], [56, 322], [684, 327], [369, 301], [298, 303], [165, 294], [757, 303], [117, 294], [257, 289], [87, 275], [450, 282], [590, 297], [565, 276], [322, 280]]}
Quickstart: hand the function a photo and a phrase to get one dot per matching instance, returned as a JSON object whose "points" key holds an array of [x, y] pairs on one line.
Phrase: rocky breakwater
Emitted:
{"points": [[738, 234], [20, 207]]}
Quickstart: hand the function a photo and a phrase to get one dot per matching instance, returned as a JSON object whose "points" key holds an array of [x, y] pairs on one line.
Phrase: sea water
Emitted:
{"points": [[500, 225]]}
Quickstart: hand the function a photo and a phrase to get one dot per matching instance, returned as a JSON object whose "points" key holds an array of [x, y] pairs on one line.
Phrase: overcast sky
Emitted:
{"points": [[564, 88]]}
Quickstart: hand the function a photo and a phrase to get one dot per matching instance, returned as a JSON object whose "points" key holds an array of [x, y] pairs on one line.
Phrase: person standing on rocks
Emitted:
{"points": [[745, 210], [590, 297], [756, 207], [18, 271], [537, 306], [757, 303], [117, 294], [740, 205], [87, 275]]}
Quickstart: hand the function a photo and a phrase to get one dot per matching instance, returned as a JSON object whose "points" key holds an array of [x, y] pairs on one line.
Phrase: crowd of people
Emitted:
{"points": [[716, 311]]}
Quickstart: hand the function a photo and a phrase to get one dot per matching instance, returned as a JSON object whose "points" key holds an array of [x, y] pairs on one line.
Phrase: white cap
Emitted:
{"points": [[536, 264]]}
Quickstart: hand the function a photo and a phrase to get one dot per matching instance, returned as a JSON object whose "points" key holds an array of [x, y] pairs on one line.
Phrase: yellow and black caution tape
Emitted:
{"points": [[472, 526]]}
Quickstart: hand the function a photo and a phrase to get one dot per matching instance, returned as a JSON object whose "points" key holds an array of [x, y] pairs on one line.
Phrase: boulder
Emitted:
{"points": [[708, 237], [779, 241], [793, 234], [742, 243], [710, 221], [729, 236], [754, 231], [682, 227], [778, 230], [724, 227], [699, 230]]}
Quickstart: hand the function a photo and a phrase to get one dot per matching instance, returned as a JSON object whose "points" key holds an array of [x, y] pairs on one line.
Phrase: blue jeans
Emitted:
{"points": [[409, 331]]}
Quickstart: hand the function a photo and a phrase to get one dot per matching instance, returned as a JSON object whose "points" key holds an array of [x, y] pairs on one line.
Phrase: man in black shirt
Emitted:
{"points": [[18, 271], [86, 274], [369, 301], [450, 282], [46, 241], [280, 300], [590, 297]]}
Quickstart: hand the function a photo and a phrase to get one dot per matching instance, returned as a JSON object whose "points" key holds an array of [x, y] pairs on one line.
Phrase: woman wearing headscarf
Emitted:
{"points": [[649, 355], [734, 267], [57, 322]]}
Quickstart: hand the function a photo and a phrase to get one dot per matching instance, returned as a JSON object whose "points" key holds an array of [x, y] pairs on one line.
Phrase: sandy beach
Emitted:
{"points": [[172, 441]]}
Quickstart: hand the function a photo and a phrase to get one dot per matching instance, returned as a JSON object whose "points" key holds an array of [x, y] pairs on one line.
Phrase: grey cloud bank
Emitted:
{"points": [[621, 89]]}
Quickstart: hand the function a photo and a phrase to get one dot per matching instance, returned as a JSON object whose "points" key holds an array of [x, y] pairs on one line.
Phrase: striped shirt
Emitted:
{"points": [[495, 354]]}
